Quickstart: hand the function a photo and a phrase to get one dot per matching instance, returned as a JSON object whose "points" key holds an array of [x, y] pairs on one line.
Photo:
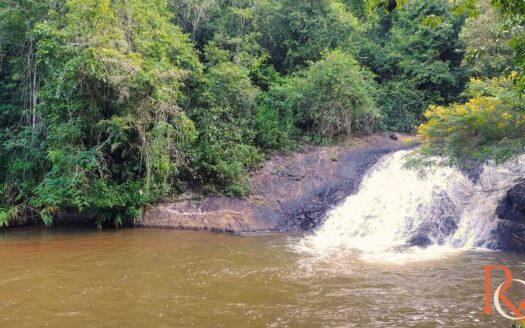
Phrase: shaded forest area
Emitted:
{"points": [[107, 106]]}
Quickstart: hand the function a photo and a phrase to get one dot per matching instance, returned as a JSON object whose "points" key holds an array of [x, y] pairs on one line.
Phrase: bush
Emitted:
{"points": [[275, 116], [225, 151], [401, 101], [491, 124], [334, 96]]}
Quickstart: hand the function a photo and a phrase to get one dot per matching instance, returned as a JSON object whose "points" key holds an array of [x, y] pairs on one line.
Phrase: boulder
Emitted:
{"points": [[510, 231], [439, 219], [509, 237], [512, 207], [420, 239]]}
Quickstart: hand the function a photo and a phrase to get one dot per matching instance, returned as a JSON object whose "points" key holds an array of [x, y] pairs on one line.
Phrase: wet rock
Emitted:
{"points": [[291, 193], [420, 240], [473, 170], [512, 207], [510, 231], [509, 237], [439, 220], [434, 232]]}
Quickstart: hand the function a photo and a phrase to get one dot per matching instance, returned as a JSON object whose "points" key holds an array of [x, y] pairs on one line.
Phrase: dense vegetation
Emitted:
{"points": [[490, 123], [107, 106]]}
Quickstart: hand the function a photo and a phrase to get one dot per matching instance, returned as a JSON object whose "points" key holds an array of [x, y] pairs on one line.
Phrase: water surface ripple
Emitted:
{"points": [[153, 278]]}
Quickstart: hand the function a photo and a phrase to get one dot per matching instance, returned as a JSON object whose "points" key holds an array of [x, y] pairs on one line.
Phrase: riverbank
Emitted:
{"points": [[290, 193]]}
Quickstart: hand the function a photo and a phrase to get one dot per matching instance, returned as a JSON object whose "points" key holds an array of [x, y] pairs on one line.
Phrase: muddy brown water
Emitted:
{"points": [[158, 278]]}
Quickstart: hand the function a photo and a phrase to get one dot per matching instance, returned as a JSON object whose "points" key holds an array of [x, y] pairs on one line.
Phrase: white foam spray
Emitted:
{"points": [[437, 206]]}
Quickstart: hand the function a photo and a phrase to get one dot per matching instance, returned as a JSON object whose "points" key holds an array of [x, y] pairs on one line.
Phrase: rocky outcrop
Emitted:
{"points": [[510, 232], [512, 207], [290, 193], [439, 220]]}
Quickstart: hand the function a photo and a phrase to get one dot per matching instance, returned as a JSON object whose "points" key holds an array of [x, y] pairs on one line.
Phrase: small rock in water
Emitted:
{"points": [[420, 240], [393, 136]]}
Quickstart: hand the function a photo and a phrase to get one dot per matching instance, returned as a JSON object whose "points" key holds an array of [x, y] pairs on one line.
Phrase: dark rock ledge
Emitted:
{"points": [[291, 193], [510, 232]]}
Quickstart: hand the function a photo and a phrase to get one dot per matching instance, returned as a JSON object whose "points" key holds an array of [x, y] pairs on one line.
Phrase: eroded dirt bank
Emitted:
{"points": [[290, 193]]}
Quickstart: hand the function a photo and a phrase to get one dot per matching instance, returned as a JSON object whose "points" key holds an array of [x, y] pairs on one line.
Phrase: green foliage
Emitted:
{"points": [[333, 96], [491, 124], [4, 221], [275, 119], [336, 96], [226, 30], [107, 106], [513, 11], [402, 103], [488, 52], [224, 151], [297, 31], [106, 110], [416, 54]]}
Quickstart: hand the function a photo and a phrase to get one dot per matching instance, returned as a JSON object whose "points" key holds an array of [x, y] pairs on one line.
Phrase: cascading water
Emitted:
{"points": [[398, 207]]}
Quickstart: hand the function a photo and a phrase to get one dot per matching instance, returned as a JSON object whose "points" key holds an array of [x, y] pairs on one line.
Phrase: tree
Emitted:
{"points": [[490, 124], [487, 42], [193, 16], [112, 76], [333, 96], [297, 31], [514, 13], [416, 60], [225, 151]]}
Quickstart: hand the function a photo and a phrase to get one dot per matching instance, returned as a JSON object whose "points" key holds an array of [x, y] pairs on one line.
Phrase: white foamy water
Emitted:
{"points": [[397, 206]]}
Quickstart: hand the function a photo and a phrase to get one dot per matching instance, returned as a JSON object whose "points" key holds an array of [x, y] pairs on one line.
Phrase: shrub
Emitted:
{"points": [[275, 117], [401, 101], [225, 151], [334, 96], [491, 124]]}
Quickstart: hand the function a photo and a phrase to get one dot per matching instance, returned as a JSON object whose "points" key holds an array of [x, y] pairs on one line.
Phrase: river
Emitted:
{"points": [[407, 250], [71, 277]]}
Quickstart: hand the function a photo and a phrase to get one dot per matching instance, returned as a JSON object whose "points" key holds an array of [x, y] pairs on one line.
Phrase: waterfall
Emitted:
{"points": [[437, 208]]}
